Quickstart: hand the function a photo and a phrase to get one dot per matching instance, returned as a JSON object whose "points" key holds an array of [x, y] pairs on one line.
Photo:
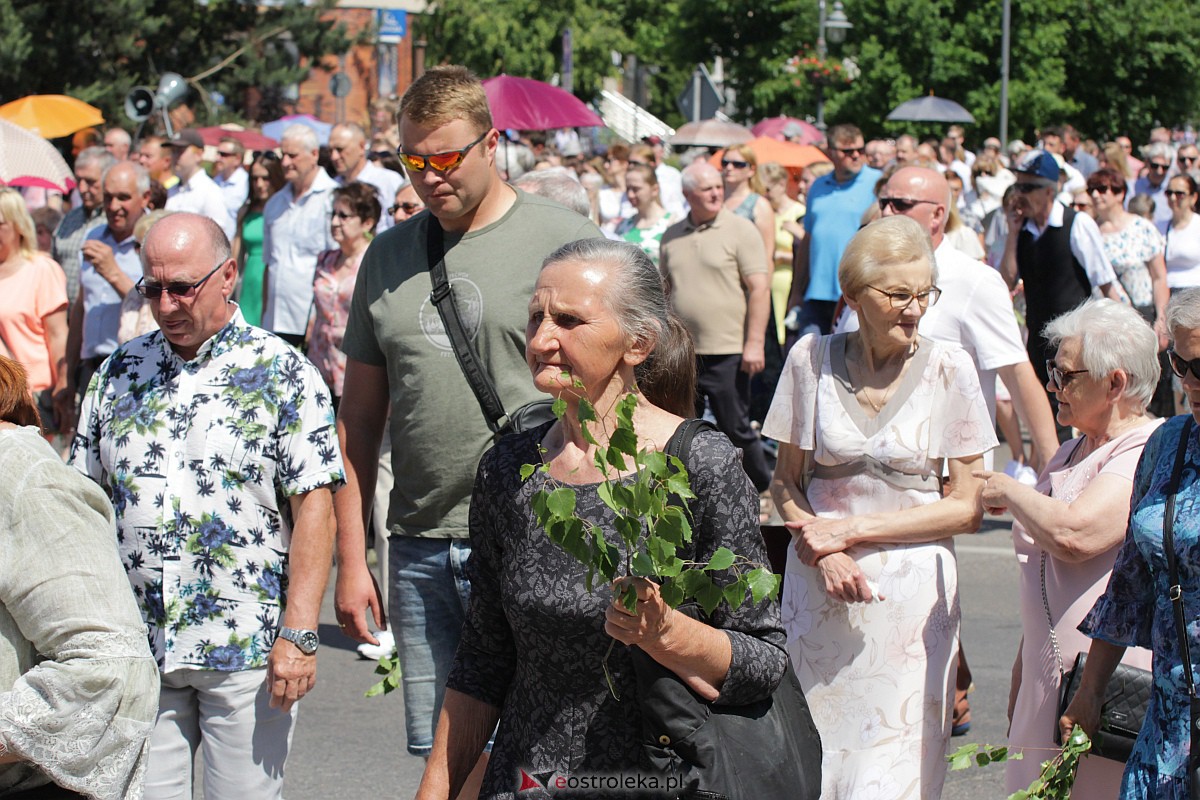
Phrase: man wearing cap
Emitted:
{"points": [[231, 177], [348, 152], [1057, 253], [196, 191]]}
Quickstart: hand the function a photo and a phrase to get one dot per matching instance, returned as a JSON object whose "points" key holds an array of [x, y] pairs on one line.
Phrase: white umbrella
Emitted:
{"points": [[27, 159]]}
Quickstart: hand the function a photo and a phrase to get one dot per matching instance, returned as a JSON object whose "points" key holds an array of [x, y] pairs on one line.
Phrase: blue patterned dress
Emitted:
{"points": [[1135, 610]]}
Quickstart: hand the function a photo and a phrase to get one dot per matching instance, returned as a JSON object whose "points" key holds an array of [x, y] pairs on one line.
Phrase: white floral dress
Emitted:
{"points": [[878, 676]]}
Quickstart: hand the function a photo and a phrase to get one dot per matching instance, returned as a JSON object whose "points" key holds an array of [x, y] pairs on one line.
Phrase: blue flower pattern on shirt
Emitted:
{"points": [[1135, 610], [199, 459]]}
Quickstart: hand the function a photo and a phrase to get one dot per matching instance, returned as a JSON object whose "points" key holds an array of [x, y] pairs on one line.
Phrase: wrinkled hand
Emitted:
{"points": [[100, 256], [753, 358], [649, 626], [844, 579], [1084, 711], [356, 591], [290, 674], [996, 486], [820, 536]]}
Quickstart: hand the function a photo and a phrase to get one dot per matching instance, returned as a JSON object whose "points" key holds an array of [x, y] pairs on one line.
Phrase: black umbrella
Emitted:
{"points": [[930, 109]]}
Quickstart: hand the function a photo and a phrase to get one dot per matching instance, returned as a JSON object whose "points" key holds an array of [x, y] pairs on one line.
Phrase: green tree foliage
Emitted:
{"points": [[98, 51], [1107, 67]]}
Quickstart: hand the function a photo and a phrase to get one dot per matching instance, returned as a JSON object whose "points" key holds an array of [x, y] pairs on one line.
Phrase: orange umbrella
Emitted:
{"points": [[51, 115], [788, 154]]}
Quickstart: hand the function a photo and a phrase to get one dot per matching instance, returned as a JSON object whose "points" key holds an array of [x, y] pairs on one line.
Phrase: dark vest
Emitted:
{"points": [[1055, 281]]}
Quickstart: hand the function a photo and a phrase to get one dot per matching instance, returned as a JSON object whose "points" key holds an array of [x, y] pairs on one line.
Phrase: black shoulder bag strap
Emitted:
{"points": [[680, 443], [442, 297], [1177, 597]]}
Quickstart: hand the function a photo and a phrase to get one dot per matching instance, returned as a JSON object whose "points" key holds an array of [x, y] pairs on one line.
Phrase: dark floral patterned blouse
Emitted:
{"points": [[534, 641]]}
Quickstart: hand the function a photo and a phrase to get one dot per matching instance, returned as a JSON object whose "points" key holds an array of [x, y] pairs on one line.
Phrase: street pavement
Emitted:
{"points": [[351, 747]]}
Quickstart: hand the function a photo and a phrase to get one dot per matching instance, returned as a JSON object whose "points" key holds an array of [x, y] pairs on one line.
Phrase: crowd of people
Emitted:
{"points": [[222, 371]]}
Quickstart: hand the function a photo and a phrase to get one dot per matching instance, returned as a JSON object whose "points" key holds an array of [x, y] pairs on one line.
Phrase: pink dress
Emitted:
{"points": [[1071, 590], [878, 677], [331, 309]]}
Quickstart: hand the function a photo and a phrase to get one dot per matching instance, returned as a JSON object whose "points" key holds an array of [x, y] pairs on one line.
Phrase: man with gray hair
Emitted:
{"points": [[90, 166], [117, 142], [906, 148], [108, 268], [716, 265], [216, 442], [348, 152], [560, 185], [1159, 158], [295, 232]]}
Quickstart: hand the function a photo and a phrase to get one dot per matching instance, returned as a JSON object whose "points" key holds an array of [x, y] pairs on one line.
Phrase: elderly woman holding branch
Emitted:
{"points": [[1067, 530], [865, 422], [1137, 608], [533, 648]]}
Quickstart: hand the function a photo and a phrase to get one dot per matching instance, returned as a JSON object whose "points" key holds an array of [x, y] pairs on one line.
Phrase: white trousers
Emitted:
{"points": [[245, 742]]}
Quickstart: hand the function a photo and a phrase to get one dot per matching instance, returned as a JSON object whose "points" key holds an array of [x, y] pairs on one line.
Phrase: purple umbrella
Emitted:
{"points": [[529, 105]]}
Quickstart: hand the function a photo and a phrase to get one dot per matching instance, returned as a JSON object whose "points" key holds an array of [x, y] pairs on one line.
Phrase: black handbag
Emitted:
{"points": [[499, 423], [767, 750], [1176, 593]]}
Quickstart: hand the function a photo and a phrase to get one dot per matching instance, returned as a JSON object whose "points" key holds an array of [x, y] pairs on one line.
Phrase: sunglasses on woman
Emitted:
{"points": [[729, 162], [1060, 377], [441, 162], [1181, 366]]}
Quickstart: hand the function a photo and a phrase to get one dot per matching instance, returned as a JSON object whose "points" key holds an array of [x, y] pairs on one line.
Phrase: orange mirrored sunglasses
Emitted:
{"points": [[441, 162]]}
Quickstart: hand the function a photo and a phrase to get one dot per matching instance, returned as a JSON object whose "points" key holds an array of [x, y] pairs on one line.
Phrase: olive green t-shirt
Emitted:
{"points": [[438, 431]]}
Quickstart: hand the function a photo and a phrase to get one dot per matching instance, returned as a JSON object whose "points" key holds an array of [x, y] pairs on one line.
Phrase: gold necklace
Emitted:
{"points": [[895, 384]]}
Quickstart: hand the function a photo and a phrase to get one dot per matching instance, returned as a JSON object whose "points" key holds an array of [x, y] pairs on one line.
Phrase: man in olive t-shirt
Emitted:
{"points": [[399, 359]]}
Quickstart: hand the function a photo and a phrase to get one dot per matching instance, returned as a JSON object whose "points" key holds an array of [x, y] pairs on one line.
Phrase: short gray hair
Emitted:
{"points": [[1112, 336], [1183, 311], [141, 175], [303, 135], [1159, 149], [560, 185], [95, 155]]}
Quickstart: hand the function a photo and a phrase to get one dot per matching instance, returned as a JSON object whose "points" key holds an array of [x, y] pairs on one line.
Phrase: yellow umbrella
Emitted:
{"points": [[51, 115]]}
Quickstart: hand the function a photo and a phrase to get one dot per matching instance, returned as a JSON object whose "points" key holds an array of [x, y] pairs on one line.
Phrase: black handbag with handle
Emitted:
{"points": [[767, 750], [1176, 592]]}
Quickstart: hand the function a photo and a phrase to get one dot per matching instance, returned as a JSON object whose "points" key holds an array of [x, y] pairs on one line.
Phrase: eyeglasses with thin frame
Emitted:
{"points": [[179, 291], [409, 208], [440, 162], [1182, 366], [729, 162], [903, 205], [1059, 378], [902, 300]]}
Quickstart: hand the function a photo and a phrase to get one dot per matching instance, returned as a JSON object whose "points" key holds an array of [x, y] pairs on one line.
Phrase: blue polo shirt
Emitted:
{"points": [[833, 216], [101, 302]]}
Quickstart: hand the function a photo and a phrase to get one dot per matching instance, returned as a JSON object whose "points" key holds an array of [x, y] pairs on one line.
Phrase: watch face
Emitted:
{"points": [[308, 641]]}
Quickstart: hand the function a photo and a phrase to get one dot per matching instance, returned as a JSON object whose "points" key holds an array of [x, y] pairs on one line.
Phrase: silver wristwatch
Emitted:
{"points": [[307, 641]]}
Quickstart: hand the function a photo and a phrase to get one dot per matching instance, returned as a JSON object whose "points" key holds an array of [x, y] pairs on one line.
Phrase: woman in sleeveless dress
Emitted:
{"points": [[865, 421]]}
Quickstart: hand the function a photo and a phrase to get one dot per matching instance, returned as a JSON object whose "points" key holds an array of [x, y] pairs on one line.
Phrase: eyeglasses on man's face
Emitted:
{"points": [[179, 291], [1158, 166], [440, 162], [902, 205]]}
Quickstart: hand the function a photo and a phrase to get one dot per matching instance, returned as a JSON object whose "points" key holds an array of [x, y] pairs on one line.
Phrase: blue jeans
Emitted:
{"points": [[427, 607]]}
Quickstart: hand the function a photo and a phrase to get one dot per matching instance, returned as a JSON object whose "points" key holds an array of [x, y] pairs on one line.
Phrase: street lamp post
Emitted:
{"points": [[836, 25]]}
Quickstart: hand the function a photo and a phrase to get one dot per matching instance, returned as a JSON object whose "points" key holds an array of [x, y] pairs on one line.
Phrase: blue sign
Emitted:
{"points": [[392, 24]]}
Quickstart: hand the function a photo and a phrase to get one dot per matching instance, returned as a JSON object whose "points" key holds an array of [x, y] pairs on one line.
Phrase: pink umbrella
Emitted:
{"points": [[251, 140], [773, 128], [27, 159], [529, 105]]}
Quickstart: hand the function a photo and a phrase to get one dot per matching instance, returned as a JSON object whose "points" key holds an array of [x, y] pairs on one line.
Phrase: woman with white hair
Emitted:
{"points": [[865, 422], [1067, 530], [1144, 604]]}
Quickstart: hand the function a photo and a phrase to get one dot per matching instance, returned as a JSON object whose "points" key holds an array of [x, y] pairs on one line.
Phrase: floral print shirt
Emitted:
{"points": [[199, 459]]}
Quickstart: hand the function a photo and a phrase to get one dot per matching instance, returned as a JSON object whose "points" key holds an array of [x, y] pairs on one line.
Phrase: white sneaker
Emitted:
{"points": [[374, 652]]}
